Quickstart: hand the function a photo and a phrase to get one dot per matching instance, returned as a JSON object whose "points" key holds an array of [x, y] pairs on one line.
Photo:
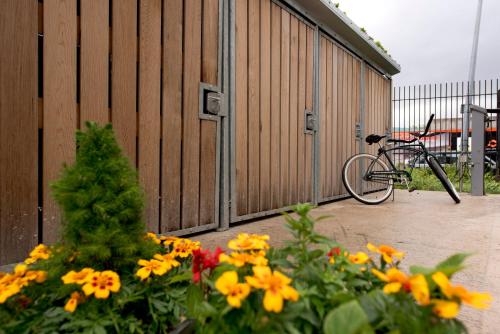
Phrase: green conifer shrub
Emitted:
{"points": [[102, 202]]}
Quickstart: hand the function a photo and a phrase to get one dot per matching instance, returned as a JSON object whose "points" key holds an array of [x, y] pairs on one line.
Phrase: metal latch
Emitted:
{"points": [[358, 131], [310, 121], [212, 103]]}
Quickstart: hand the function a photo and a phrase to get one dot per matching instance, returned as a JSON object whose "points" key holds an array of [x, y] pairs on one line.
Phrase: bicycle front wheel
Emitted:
{"points": [[367, 179], [441, 175]]}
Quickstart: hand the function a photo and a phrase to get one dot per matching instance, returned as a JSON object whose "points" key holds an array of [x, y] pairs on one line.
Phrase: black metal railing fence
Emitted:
{"points": [[413, 105]]}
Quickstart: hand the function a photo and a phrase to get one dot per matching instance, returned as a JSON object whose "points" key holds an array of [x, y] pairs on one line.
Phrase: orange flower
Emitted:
{"points": [[474, 299], [397, 280], [79, 277], [73, 302], [387, 252]]}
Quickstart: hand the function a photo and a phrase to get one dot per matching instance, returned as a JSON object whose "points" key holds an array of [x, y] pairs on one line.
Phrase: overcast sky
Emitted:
{"points": [[431, 39]]}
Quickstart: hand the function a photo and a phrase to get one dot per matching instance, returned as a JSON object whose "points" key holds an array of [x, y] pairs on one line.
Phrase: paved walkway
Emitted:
{"points": [[428, 226]]}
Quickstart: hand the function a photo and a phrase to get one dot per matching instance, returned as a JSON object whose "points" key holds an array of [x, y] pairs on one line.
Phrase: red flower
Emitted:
{"points": [[334, 251], [203, 260]]}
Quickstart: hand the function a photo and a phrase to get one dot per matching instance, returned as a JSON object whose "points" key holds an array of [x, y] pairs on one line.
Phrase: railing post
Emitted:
{"points": [[497, 177], [478, 120]]}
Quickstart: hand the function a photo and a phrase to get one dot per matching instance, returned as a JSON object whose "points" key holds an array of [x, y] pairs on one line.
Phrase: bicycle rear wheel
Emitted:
{"points": [[361, 182], [441, 175]]}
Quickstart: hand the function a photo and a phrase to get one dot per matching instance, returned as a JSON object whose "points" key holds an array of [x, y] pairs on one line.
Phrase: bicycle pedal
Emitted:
{"points": [[411, 189]]}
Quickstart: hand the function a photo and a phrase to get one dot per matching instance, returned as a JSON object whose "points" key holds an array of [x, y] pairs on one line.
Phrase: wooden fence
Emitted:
{"points": [[146, 66]]}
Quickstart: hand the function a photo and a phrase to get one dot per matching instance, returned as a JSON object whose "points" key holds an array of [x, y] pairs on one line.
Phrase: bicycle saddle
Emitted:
{"points": [[372, 139]]}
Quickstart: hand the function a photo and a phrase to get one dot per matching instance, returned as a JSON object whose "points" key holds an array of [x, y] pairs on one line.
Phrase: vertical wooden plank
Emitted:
{"points": [[150, 108], [301, 94], [59, 102], [336, 179], [265, 105], [328, 120], [18, 129], [241, 36], [191, 122], [309, 106], [285, 108], [253, 105], [294, 63], [172, 116], [339, 132], [275, 105], [94, 53], [323, 117], [208, 135], [124, 75], [345, 114], [350, 113]]}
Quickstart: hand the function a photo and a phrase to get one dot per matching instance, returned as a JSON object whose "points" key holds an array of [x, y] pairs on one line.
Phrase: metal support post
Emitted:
{"points": [[497, 177], [479, 116]]}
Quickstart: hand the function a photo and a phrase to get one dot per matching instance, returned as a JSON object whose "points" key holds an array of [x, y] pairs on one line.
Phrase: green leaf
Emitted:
{"points": [[452, 264], [194, 297], [348, 318], [421, 270], [374, 304]]}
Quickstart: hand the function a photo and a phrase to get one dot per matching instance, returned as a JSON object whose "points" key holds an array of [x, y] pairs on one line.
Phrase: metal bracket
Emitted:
{"points": [[211, 102], [310, 122], [358, 131]]}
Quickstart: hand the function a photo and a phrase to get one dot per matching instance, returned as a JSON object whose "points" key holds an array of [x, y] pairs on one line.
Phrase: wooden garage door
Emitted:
{"points": [[274, 87], [339, 112]]}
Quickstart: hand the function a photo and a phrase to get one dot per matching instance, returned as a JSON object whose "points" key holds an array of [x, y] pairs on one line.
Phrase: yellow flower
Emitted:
{"points": [[277, 287], [7, 291], [240, 259], [153, 237], [249, 242], [474, 299], [168, 239], [445, 309], [79, 277], [397, 280], [184, 247], [102, 283], [388, 253], [359, 258], [73, 302], [40, 252], [228, 285], [159, 268], [168, 259]]}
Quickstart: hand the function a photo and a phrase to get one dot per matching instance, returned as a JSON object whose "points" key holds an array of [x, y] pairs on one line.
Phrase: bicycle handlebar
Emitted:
{"points": [[428, 126]]}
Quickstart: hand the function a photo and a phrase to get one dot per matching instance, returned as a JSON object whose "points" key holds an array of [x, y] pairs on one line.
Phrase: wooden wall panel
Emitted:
{"points": [[59, 102], [285, 108], [274, 70], [18, 129], [208, 129], [294, 67], [339, 113], [191, 122], [265, 105], [94, 55], [172, 116], [253, 105], [150, 107], [241, 116], [124, 75], [275, 106]]}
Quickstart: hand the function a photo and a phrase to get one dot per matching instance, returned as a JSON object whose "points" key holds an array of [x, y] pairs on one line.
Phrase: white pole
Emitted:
{"points": [[471, 88]]}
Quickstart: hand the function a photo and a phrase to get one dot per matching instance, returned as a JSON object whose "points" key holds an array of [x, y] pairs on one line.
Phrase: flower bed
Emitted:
{"points": [[107, 276]]}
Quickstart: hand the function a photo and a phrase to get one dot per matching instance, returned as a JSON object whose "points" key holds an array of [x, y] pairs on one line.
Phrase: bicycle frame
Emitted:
{"points": [[418, 148]]}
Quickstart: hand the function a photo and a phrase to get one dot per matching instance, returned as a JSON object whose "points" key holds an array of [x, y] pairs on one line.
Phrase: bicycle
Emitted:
{"points": [[370, 179]]}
